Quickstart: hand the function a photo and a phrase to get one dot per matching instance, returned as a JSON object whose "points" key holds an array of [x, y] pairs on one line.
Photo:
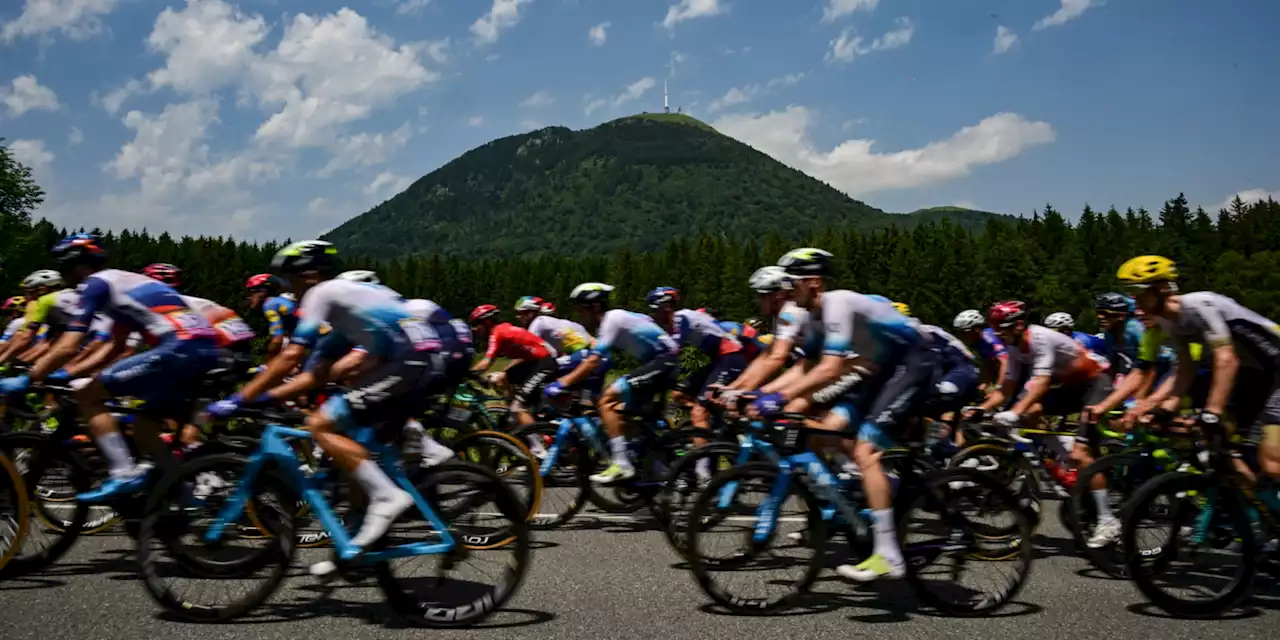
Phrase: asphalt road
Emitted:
{"points": [[611, 578]]}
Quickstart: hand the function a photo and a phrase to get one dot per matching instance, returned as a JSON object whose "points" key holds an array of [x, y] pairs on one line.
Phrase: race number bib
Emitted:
{"points": [[421, 335], [235, 329], [188, 323]]}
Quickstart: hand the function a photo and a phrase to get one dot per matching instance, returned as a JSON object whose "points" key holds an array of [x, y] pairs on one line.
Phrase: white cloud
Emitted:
{"points": [[411, 7], [75, 19], [592, 105], [1248, 196], [438, 50], [540, 98], [504, 14], [634, 91], [366, 150], [207, 45], [318, 206], [1005, 38], [530, 124], [165, 148], [853, 167], [1068, 11], [741, 95], [599, 34], [387, 183], [846, 46], [690, 9], [848, 125], [31, 153], [475, 121], [114, 99], [75, 136], [838, 8], [25, 93]]}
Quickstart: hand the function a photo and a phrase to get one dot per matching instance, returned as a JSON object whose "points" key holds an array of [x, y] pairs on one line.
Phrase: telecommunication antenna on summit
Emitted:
{"points": [[666, 105]]}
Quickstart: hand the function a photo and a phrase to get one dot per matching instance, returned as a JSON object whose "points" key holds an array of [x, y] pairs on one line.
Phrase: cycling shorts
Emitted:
{"points": [[385, 397], [878, 407], [530, 377], [646, 383], [953, 388], [165, 376]]}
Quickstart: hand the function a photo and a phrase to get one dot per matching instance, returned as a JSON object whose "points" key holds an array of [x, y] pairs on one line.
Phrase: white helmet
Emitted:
{"points": [[969, 319], [769, 279], [1060, 320], [360, 275], [591, 292], [43, 278]]}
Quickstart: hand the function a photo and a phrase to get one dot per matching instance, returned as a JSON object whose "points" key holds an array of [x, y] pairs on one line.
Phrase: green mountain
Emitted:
{"points": [[635, 183]]}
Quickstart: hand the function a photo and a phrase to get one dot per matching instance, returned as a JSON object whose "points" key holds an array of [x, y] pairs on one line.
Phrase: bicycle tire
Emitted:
{"points": [[1139, 564], [80, 478], [577, 482], [1110, 560], [675, 500], [13, 489], [418, 613], [1019, 470], [528, 503]]}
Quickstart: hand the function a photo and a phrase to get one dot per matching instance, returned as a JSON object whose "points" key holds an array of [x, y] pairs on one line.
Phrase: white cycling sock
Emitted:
{"points": [[433, 449], [113, 447], [619, 447], [886, 535], [375, 482], [1103, 504]]}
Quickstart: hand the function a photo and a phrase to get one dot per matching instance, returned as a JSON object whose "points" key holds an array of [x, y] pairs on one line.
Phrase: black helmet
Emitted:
{"points": [[806, 262], [1112, 302], [308, 255]]}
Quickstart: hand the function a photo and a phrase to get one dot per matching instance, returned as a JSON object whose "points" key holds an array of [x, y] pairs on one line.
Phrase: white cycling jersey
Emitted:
{"points": [[699, 330], [141, 303], [1049, 353], [945, 337], [634, 333], [427, 310], [566, 336], [365, 315], [12, 328], [792, 324], [851, 324], [1214, 320], [101, 329]]}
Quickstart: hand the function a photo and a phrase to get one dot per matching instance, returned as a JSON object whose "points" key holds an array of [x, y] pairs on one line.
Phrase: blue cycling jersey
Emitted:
{"points": [[1127, 342], [989, 347]]}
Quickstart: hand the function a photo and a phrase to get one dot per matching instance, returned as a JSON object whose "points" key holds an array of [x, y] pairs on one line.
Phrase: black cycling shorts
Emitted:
{"points": [[530, 377], [643, 385], [391, 393]]}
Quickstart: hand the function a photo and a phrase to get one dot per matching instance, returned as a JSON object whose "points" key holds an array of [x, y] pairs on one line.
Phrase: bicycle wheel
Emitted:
{"points": [[798, 556], [682, 485], [1009, 467], [1124, 473], [46, 466], [566, 483], [486, 509], [14, 511], [1202, 520], [507, 456], [954, 514], [171, 546]]}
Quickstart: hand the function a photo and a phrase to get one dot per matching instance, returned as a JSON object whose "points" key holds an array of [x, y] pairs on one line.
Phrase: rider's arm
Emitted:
{"points": [[764, 366], [490, 352], [1225, 365], [583, 370], [1130, 386], [788, 377], [62, 352], [277, 368], [317, 370], [1035, 390], [17, 344]]}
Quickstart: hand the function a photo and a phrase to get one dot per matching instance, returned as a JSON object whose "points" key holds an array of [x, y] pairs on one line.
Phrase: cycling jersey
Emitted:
{"points": [[855, 325], [565, 335], [141, 303], [1089, 341], [1216, 320], [281, 312], [455, 335], [1127, 343], [12, 328], [701, 331], [989, 347], [428, 310], [1049, 353], [55, 311], [1153, 350], [230, 327], [361, 314], [753, 342], [510, 341], [102, 327], [635, 333], [944, 342], [792, 324]]}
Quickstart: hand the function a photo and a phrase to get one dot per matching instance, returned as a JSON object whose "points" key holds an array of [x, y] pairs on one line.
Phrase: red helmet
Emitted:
{"points": [[1004, 314], [165, 273], [262, 281], [483, 313], [548, 307]]}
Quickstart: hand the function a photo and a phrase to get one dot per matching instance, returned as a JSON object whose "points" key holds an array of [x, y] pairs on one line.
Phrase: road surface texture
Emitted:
{"points": [[611, 578]]}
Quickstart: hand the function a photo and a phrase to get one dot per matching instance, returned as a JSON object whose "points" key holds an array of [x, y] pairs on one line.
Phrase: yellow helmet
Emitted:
{"points": [[1147, 269], [902, 308]]}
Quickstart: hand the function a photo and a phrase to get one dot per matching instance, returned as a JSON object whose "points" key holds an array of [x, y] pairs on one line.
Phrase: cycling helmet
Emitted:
{"points": [[1060, 320], [263, 281], [79, 247], [165, 273], [589, 292], [969, 319], [530, 303], [483, 313], [769, 279], [1147, 270], [16, 302], [360, 275], [661, 296], [548, 308], [43, 278], [902, 308], [806, 262], [308, 255], [1004, 314], [1112, 303]]}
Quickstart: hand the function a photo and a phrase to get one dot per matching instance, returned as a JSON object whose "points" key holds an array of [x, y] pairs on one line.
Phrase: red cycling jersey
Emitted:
{"points": [[510, 341]]}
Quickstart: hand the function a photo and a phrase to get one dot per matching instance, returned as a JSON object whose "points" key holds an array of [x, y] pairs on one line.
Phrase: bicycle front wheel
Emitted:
{"points": [[14, 510]]}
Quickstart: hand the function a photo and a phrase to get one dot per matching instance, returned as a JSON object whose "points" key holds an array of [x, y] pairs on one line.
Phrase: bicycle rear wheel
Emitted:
{"points": [[46, 466], [1124, 473], [478, 508], [507, 456], [14, 510]]}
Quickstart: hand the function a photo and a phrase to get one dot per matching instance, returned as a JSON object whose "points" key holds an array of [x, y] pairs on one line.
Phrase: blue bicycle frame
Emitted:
{"points": [[274, 448], [590, 431]]}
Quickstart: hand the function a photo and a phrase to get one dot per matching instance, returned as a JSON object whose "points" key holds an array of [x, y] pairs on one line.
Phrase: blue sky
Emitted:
{"points": [[281, 118]]}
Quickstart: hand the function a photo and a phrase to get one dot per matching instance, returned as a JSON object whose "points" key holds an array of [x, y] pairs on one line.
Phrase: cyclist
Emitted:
{"points": [[892, 364], [972, 330], [267, 292], [410, 364], [548, 308], [1243, 352], [699, 330], [638, 335], [773, 292], [39, 286], [570, 339], [1121, 335], [182, 351], [12, 313], [1063, 323], [531, 362]]}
